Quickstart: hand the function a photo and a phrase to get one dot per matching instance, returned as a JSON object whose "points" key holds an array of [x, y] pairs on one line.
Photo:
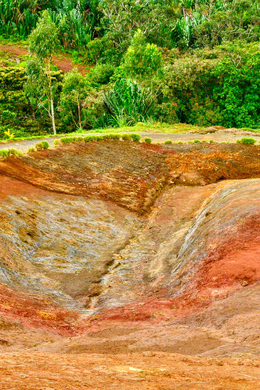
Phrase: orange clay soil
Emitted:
{"points": [[159, 371]]}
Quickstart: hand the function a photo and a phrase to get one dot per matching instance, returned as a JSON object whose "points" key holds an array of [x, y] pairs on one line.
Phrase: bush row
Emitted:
{"points": [[43, 145]]}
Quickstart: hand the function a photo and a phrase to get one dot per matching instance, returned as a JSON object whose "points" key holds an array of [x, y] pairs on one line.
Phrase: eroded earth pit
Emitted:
{"points": [[130, 266]]}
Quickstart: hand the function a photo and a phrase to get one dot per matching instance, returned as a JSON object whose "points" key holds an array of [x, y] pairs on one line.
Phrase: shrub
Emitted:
{"points": [[211, 141], [67, 140], [126, 137], [247, 141], [196, 141], [4, 154], [111, 136], [148, 140], [90, 138], [31, 150], [79, 139], [100, 75], [135, 137], [42, 145], [128, 103], [168, 142], [142, 59]]}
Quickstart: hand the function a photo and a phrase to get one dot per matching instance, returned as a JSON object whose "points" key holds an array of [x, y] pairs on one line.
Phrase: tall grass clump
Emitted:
{"points": [[127, 104], [246, 141], [6, 153], [42, 145]]}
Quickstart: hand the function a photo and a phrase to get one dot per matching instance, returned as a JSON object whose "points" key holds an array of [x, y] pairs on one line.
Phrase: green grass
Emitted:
{"points": [[5, 154], [155, 127], [246, 141]]}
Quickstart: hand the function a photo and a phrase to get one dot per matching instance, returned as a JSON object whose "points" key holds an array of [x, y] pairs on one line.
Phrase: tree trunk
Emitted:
{"points": [[79, 112], [51, 99], [53, 118]]}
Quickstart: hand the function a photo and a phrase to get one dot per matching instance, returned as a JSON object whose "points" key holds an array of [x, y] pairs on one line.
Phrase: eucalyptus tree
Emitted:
{"points": [[41, 86]]}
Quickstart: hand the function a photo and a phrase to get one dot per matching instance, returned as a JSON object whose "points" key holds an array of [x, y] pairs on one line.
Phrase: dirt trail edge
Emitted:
{"points": [[156, 137]]}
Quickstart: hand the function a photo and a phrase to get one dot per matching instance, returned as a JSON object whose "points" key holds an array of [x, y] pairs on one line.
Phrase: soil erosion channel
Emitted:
{"points": [[136, 251]]}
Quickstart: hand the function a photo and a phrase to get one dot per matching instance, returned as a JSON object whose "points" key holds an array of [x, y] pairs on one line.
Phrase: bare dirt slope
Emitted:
{"points": [[125, 265], [63, 63]]}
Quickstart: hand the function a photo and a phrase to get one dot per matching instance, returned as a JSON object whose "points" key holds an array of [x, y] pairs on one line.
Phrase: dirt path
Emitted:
{"points": [[63, 62], [156, 137]]}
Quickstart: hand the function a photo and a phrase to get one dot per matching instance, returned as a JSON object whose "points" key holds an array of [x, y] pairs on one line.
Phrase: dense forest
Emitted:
{"points": [[191, 61]]}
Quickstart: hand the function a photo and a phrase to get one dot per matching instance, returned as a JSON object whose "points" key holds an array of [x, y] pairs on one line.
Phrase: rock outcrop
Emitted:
{"points": [[120, 232]]}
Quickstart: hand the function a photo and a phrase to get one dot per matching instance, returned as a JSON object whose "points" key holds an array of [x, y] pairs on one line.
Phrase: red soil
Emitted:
{"points": [[104, 170], [231, 267], [63, 62], [200, 165], [36, 313], [10, 186]]}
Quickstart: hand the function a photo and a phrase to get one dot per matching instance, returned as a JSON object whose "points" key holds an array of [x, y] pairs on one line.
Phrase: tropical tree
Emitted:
{"points": [[74, 92], [43, 43], [142, 59]]}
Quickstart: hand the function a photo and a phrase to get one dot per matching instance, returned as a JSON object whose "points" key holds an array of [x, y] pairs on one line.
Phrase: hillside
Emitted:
{"points": [[134, 251]]}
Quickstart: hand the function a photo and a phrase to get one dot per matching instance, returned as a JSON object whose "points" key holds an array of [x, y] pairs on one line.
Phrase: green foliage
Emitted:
{"points": [[42, 145], [148, 140], [43, 41], [196, 141], [230, 20], [237, 92], [7, 153], [126, 137], [100, 75], [104, 137], [201, 57], [213, 87], [168, 142], [187, 89], [122, 18], [103, 29], [8, 116], [135, 137], [247, 141], [9, 135], [110, 136], [73, 95], [76, 20], [90, 138], [127, 103], [67, 140], [103, 51], [141, 59]]}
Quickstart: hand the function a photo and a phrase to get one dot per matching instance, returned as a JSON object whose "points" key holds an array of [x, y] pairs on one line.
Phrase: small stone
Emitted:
{"points": [[244, 283]]}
